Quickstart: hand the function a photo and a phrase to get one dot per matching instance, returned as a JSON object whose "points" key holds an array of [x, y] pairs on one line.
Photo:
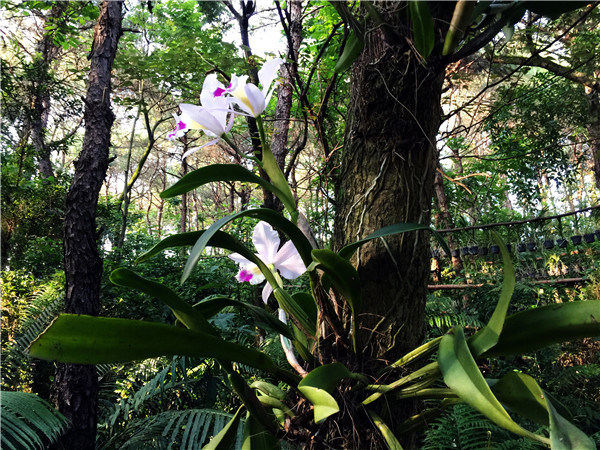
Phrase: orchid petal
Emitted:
{"points": [[195, 149], [255, 99], [288, 262], [266, 292], [268, 72], [266, 241], [239, 259], [201, 118], [270, 93], [210, 87]]}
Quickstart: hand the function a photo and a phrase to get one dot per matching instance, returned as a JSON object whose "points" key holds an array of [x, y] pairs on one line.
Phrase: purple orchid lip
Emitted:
{"points": [[244, 275], [181, 125], [219, 91]]}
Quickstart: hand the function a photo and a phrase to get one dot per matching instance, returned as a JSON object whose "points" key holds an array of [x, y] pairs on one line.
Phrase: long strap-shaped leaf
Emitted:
{"points": [[225, 172], [462, 375], [225, 439], [522, 394], [537, 328], [84, 339], [488, 336], [318, 385], [218, 239], [349, 249], [184, 312], [385, 431], [212, 306]]}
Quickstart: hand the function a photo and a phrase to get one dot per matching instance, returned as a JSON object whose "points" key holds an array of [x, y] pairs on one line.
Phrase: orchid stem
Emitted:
{"points": [[239, 152]]}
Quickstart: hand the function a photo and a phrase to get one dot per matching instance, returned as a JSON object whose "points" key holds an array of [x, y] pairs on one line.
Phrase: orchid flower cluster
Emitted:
{"points": [[219, 106], [216, 113]]}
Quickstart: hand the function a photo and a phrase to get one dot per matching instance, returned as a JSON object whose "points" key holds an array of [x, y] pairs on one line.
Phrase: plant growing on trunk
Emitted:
{"points": [[338, 392]]}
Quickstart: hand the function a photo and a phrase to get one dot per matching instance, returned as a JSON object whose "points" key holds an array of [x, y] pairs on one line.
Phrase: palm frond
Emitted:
{"points": [[28, 421]]}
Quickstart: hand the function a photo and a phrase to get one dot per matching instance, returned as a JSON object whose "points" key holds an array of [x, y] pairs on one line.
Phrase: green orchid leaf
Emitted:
{"points": [[540, 327], [295, 311], [422, 26], [522, 394], [462, 375], [352, 50], [324, 404], [225, 439], [256, 437], [488, 336], [268, 389], [214, 173], [342, 275], [212, 306], [183, 311], [274, 403], [461, 19], [326, 377], [565, 435], [273, 218], [388, 435], [229, 172], [218, 239], [82, 339], [318, 385], [349, 249]]}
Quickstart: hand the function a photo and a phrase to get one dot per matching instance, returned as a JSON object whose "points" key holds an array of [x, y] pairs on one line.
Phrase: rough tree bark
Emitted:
{"points": [[75, 387], [387, 174], [287, 74]]}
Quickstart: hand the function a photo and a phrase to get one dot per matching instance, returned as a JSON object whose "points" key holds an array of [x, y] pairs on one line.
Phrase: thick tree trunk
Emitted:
{"points": [[387, 175], [76, 386]]}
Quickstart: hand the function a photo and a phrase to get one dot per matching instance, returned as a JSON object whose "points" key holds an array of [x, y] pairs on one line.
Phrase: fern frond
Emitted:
{"points": [[28, 421], [15, 359], [188, 429], [462, 427]]}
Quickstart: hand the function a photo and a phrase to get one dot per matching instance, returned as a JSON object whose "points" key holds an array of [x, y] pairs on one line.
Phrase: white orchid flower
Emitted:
{"points": [[249, 97], [180, 128], [211, 118], [285, 260]]}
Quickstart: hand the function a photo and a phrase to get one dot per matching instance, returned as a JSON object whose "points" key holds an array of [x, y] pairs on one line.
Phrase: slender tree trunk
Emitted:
{"points": [[279, 144], [48, 51], [75, 386], [445, 219], [184, 200], [387, 175], [126, 195], [593, 129]]}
